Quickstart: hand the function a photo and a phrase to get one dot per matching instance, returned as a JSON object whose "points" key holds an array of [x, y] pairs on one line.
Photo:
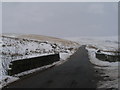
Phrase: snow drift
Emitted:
{"points": [[106, 45], [15, 47]]}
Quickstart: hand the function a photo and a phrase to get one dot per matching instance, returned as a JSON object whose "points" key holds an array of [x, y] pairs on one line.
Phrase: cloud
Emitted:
{"points": [[96, 8], [0, 17], [60, 19]]}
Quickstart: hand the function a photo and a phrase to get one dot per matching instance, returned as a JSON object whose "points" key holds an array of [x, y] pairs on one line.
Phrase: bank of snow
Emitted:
{"points": [[108, 70], [15, 48]]}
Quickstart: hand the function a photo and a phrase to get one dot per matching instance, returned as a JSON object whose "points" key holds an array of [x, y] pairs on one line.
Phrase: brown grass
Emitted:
{"points": [[44, 38], [90, 46]]}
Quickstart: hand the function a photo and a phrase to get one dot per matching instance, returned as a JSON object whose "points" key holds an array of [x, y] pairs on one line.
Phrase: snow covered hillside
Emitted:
{"points": [[102, 43], [15, 48], [105, 45]]}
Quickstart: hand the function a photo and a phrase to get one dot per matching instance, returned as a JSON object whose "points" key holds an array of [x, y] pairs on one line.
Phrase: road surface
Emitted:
{"points": [[77, 72]]}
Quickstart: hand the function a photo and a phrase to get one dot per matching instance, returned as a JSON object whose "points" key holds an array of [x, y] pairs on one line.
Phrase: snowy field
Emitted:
{"points": [[109, 46], [14, 48]]}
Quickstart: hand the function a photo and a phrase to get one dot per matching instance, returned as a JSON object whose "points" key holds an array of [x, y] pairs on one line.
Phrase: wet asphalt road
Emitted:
{"points": [[77, 72]]}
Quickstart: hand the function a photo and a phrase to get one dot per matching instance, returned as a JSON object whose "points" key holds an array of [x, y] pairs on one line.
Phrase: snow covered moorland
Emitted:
{"points": [[106, 46], [15, 47]]}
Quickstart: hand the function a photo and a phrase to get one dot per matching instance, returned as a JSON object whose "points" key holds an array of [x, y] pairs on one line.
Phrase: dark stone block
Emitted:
{"points": [[110, 58], [31, 63]]}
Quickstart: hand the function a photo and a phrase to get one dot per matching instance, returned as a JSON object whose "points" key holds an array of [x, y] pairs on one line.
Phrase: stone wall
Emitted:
{"points": [[19, 66]]}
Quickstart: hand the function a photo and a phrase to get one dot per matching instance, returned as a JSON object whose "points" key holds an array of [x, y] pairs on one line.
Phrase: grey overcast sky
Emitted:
{"points": [[61, 19], [0, 17]]}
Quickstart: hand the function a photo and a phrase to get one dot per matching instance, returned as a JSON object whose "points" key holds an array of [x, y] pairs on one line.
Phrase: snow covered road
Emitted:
{"points": [[77, 72]]}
